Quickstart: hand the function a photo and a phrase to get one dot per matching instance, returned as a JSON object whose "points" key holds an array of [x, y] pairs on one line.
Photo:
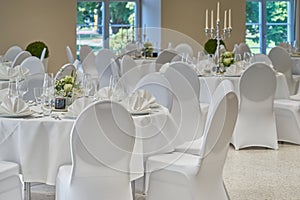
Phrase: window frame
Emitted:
{"points": [[106, 17], [263, 24]]}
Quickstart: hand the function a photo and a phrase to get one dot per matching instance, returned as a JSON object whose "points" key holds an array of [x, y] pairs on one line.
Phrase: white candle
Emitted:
{"points": [[206, 19], [218, 11], [229, 23], [225, 19], [212, 19]]}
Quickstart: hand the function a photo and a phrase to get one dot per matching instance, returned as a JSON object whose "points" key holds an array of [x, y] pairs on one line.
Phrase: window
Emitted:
{"points": [[269, 22], [106, 23]]}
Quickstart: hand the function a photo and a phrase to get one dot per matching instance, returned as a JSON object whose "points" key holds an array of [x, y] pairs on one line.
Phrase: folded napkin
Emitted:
{"points": [[13, 106], [78, 105], [139, 101], [234, 70], [3, 93]]}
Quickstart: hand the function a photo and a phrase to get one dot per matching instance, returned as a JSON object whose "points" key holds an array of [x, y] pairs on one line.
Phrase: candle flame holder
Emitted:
{"points": [[218, 34]]}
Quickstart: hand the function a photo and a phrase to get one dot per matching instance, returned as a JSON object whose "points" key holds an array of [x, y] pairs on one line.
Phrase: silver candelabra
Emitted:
{"points": [[218, 35]]}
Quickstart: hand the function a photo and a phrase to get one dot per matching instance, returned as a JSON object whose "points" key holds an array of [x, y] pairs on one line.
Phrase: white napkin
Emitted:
{"points": [[3, 93], [13, 106], [234, 70], [139, 101], [78, 105]]}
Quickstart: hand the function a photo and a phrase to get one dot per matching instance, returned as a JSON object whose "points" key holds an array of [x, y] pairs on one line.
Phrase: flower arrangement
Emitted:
{"points": [[211, 45], [227, 58], [148, 49], [65, 86]]}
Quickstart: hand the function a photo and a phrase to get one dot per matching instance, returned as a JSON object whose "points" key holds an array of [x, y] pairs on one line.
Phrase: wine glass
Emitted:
{"points": [[87, 84], [22, 87], [38, 93]]}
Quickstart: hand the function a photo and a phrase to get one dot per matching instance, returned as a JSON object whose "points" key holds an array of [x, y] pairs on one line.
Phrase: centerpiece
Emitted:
{"points": [[67, 88], [147, 50], [227, 59]]}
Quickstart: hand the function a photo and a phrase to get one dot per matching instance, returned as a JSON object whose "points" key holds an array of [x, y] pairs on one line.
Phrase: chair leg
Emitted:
{"points": [[27, 191], [227, 194], [133, 189]]}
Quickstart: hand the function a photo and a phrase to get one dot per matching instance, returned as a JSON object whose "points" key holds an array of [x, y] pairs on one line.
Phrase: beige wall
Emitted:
{"points": [[51, 21], [188, 17], [54, 22]]}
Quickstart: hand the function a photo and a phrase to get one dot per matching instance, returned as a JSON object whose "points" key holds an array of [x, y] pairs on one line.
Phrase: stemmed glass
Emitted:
{"points": [[22, 87], [48, 94], [38, 93], [238, 60], [247, 57], [87, 84]]}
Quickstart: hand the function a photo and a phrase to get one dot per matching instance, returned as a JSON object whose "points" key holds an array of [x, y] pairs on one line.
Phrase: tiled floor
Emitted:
{"points": [[249, 174]]}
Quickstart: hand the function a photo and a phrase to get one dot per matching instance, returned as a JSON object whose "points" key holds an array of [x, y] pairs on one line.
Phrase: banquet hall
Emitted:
{"points": [[189, 125]]}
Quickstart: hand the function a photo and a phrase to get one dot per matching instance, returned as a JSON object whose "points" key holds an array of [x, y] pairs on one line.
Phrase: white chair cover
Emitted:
{"points": [[105, 62], [84, 52], [243, 48], [66, 69], [70, 55], [11, 53], [10, 184], [192, 177], [33, 81], [43, 54], [194, 147], [261, 58], [256, 124], [89, 65], [185, 49], [282, 62], [127, 63], [34, 64], [185, 108], [159, 87], [102, 141], [166, 56], [20, 58], [132, 77]]}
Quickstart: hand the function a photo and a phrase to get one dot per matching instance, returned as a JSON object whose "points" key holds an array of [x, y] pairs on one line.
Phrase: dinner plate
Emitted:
{"points": [[17, 115], [68, 115], [232, 75]]}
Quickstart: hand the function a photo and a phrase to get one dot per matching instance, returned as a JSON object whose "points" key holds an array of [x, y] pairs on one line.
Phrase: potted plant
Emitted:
{"points": [[36, 48]]}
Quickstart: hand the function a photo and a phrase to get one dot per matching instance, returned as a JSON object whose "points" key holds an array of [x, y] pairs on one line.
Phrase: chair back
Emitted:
{"points": [[11, 53], [43, 54], [89, 64], [102, 141], [190, 74], [282, 62], [107, 66], [20, 58], [66, 69], [219, 127], [256, 124], [70, 55], [262, 58], [184, 48], [127, 63], [35, 80], [166, 56], [159, 87], [34, 64], [185, 108], [84, 52], [243, 48]]}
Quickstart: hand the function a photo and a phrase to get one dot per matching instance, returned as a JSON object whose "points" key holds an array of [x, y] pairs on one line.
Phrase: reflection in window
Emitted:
{"points": [[106, 23], [268, 22]]}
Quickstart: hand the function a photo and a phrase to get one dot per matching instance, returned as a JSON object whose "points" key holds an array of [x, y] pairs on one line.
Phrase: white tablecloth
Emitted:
{"points": [[3, 84], [42, 145], [208, 84], [296, 65]]}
